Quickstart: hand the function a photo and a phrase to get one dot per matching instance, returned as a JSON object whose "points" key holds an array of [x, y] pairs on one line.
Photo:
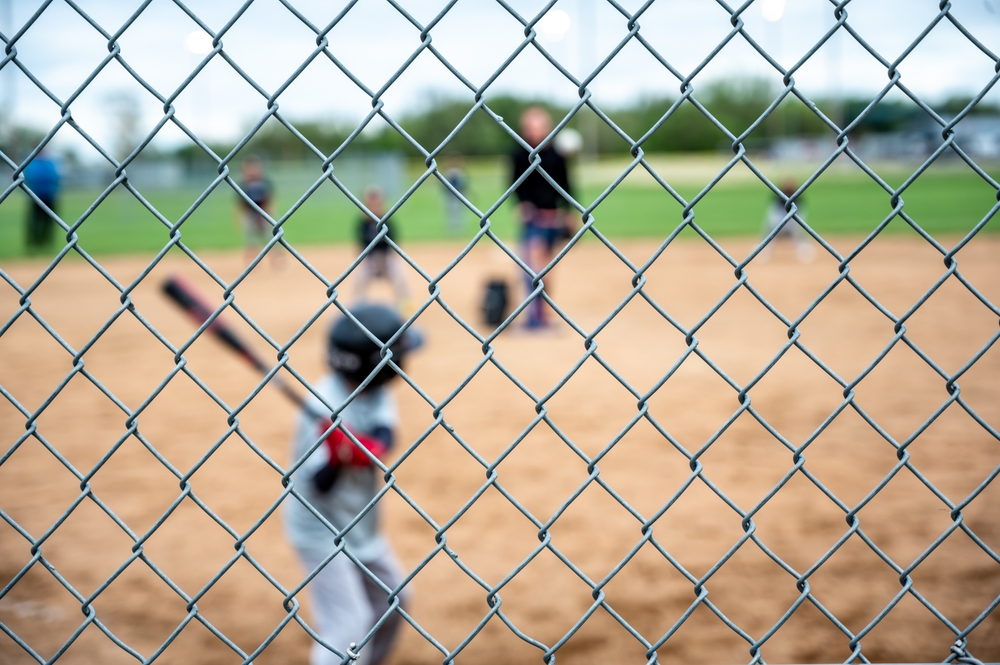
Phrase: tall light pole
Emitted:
{"points": [[773, 11], [7, 83], [833, 55], [587, 48]]}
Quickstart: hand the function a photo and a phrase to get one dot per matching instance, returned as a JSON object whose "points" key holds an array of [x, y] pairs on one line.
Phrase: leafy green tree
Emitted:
{"points": [[737, 104]]}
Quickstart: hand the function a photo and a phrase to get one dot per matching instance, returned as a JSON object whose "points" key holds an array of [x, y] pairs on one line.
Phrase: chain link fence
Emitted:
{"points": [[34, 542]]}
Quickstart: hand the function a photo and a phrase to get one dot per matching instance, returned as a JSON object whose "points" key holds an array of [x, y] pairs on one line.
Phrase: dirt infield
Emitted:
{"points": [[799, 524]]}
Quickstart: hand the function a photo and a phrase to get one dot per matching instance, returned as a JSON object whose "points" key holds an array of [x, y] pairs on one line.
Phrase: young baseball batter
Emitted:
{"points": [[338, 480]]}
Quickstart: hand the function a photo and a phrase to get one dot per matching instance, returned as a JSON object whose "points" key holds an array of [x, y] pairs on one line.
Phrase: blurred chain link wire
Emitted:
{"points": [[644, 523]]}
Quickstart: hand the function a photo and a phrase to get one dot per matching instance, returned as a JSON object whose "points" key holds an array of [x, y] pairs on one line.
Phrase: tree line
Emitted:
{"points": [[736, 103]]}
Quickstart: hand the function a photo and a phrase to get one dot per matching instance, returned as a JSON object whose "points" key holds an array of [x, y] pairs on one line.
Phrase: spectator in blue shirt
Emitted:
{"points": [[42, 178]]}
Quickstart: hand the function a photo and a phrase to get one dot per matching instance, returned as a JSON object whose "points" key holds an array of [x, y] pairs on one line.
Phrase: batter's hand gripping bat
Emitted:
{"points": [[185, 297]]}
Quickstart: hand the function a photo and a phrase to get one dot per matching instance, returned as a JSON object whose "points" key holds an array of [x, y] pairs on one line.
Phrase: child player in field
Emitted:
{"points": [[790, 229], [380, 262], [256, 229], [338, 480]]}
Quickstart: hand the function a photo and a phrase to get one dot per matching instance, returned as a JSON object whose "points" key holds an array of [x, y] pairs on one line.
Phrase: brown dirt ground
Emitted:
{"points": [[544, 600]]}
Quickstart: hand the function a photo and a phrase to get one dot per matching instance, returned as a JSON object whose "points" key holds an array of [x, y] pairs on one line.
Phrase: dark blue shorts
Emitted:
{"points": [[547, 235]]}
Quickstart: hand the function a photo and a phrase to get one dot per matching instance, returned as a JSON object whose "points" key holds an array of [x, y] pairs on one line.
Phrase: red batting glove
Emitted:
{"points": [[344, 452]]}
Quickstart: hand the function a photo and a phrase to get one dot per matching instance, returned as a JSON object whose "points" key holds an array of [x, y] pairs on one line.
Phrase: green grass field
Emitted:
{"points": [[948, 199]]}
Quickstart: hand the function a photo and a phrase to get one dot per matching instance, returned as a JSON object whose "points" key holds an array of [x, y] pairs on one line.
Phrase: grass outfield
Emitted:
{"points": [[947, 199]]}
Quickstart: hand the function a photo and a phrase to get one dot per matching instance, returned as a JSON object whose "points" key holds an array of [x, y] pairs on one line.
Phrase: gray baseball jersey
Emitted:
{"points": [[355, 486]]}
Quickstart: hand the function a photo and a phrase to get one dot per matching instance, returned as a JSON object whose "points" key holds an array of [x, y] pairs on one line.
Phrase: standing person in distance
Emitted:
{"points": [[380, 263], [790, 229], [338, 480], [256, 228], [456, 212], [42, 177], [545, 222]]}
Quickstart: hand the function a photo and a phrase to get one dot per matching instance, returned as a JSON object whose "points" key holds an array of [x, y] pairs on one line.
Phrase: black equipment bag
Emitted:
{"points": [[495, 302]]}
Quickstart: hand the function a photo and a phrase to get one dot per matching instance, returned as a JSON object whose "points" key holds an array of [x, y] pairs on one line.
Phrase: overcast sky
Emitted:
{"points": [[373, 40]]}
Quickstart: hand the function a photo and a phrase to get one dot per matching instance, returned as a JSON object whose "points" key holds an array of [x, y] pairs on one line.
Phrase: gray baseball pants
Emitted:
{"points": [[346, 604]]}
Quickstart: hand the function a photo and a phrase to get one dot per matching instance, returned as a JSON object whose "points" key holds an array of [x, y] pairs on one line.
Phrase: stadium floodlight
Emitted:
{"points": [[554, 25], [198, 42], [772, 10], [569, 142]]}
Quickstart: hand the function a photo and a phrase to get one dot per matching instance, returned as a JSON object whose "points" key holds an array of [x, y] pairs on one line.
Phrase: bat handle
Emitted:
{"points": [[288, 391], [296, 398]]}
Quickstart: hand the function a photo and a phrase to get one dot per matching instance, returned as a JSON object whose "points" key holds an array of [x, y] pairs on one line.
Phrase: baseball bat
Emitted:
{"points": [[184, 296]]}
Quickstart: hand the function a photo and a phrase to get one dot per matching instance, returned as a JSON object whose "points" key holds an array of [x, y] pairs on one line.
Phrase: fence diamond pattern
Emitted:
{"points": [[173, 237]]}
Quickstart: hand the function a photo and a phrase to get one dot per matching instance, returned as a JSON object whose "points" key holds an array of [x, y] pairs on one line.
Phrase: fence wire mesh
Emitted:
{"points": [[644, 523]]}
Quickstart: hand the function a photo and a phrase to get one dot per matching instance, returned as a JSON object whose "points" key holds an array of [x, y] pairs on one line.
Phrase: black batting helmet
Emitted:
{"points": [[352, 353]]}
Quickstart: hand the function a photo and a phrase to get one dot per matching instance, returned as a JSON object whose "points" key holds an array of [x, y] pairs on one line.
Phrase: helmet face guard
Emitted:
{"points": [[354, 355]]}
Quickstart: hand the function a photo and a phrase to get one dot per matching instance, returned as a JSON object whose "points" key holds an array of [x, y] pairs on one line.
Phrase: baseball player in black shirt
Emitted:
{"points": [[541, 209]]}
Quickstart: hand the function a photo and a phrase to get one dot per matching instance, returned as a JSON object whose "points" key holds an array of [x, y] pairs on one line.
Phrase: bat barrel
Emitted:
{"points": [[185, 297]]}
